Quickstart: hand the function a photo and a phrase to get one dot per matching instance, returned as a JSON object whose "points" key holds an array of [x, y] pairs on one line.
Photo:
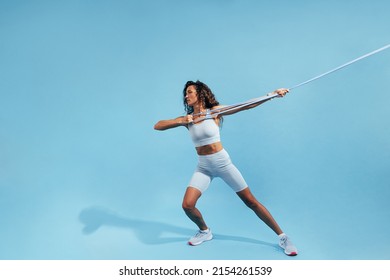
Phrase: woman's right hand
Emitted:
{"points": [[172, 123], [187, 119]]}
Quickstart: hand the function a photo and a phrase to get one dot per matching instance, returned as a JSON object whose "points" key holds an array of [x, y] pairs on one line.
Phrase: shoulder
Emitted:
{"points": [[215, 109], [216, 116]]}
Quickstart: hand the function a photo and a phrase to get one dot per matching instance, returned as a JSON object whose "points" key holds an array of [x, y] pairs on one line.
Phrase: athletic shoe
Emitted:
{"points": [[289, 248], [200, 237]]}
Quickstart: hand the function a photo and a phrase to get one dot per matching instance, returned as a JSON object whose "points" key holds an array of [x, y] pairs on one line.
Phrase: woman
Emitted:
{"points": [[203, 120]]}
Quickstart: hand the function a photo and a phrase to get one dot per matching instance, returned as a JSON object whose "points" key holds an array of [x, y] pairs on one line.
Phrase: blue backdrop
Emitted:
{"points": [[83, 175]]}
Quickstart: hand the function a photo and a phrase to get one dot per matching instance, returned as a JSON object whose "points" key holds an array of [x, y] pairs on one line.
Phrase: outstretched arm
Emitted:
{"points": [[280, 92], [168, 124]]}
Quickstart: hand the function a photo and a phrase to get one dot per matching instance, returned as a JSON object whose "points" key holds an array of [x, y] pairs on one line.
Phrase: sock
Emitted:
{"points": [[282, 235], [206, 230]]}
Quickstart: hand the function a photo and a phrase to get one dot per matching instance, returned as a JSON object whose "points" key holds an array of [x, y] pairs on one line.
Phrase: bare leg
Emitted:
{"points": [[189, 201], [262, 212]]}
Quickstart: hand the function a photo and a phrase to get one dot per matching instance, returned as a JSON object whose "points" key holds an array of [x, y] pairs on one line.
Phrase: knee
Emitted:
{"points": [[252, 203], [188, 206]]}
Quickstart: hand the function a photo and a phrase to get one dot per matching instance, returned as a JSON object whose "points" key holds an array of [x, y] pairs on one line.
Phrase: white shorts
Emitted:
{"points": [[217, 165]]}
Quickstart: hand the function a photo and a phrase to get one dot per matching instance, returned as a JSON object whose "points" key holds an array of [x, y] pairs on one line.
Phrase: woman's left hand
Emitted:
{"points": [[281, 92]]}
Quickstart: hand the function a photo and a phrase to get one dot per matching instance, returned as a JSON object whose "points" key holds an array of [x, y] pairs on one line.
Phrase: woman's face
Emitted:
{"points": [[191, 95]]}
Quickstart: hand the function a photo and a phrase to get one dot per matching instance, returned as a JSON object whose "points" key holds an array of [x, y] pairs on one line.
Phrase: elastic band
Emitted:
{"points": [[216, 112]]}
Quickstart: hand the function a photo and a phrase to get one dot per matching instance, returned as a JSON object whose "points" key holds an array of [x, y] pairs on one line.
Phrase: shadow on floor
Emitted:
{"points": [[148, 232]]}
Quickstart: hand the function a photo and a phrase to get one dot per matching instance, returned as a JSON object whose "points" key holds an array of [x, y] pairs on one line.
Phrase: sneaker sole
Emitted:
{"points": [[292, 254], [198, 243]]}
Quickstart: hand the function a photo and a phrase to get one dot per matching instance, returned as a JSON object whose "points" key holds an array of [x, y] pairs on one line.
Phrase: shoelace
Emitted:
{"points": [[200, 233], [284, 241]]}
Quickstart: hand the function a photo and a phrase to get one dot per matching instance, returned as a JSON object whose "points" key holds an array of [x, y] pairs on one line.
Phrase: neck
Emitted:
{"points": [[198, 108]]}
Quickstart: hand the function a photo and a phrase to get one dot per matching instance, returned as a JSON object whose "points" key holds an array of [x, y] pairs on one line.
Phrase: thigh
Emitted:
{"points": [[233, 177], [200, 181]]}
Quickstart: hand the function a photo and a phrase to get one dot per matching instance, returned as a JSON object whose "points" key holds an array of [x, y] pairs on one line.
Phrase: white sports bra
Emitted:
{"points": [[204, 133]]}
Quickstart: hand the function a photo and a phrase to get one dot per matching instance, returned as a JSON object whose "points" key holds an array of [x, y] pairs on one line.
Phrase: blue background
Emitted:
{"points": [[83, 175]]}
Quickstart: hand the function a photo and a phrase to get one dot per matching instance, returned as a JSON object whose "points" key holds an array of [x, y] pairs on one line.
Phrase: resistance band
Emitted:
{"points": [[226, 109]]}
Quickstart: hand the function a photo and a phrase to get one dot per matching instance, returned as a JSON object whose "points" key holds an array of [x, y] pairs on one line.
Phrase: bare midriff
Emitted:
{"points": [[209, 149]]}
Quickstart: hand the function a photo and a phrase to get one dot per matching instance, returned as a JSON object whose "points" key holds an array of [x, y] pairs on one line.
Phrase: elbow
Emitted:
{"points": [[157, 126]]}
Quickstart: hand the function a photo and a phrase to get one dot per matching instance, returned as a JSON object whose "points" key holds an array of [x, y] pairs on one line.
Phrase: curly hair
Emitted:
{"points": [[204, 93]]}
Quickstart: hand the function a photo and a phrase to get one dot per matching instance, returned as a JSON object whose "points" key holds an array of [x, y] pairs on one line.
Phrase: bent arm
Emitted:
{"points": [[168, 124]]}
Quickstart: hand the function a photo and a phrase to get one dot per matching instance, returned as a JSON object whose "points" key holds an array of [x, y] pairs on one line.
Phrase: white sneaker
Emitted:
{"points": [[200, 237], [289, 248]]}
